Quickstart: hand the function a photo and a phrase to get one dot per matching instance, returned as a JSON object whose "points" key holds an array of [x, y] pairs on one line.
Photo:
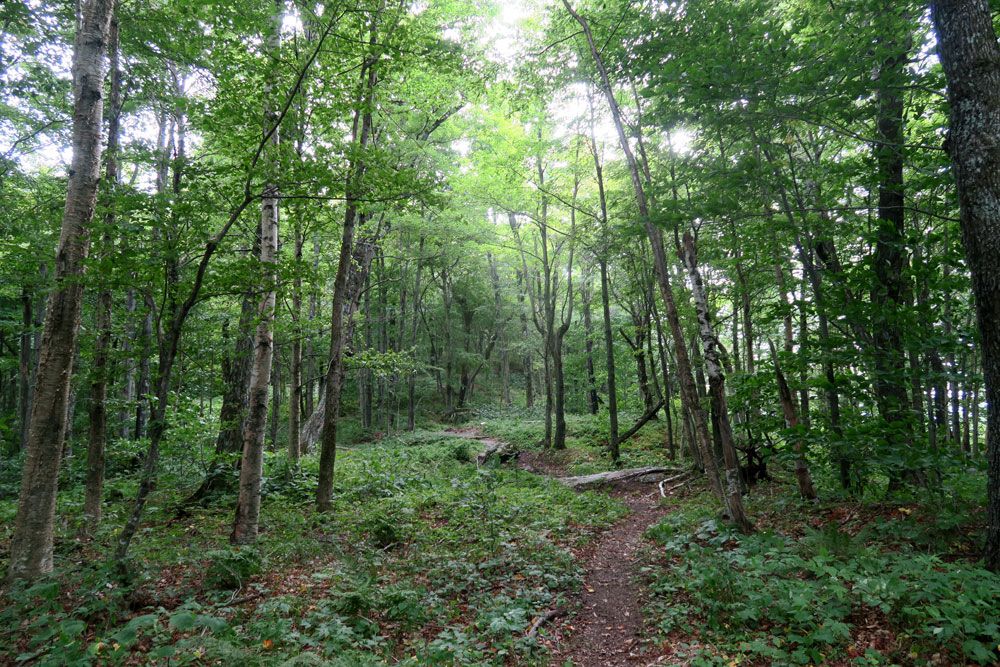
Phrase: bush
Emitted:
{"points": [[232, 567]]}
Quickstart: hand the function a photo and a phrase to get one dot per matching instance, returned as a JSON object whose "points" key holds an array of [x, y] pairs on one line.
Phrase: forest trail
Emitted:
{"points": [[606, 630]]}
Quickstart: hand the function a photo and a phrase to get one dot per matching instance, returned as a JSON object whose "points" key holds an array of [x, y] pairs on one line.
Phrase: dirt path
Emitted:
{"points": [[606, 631]]}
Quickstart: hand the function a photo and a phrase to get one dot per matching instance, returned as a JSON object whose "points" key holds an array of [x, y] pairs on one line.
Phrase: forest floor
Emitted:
{"points": [[431, 558], [606, 627]]}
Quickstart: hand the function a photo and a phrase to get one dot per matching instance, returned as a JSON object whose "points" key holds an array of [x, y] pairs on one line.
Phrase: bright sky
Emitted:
{"points": [[509, 37]]}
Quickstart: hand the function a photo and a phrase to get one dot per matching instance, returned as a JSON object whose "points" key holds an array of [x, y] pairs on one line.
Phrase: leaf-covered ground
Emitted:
{"points": [[429, 558]]}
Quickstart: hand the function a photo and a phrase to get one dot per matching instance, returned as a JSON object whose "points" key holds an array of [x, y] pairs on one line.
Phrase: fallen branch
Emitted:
{"points": [[687, 476], [642, 422], [543, 619], [586, 481], [680, 486]]}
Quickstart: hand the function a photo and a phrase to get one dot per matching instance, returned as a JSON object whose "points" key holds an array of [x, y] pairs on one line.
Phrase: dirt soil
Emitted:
{"points": [[606, 628]]}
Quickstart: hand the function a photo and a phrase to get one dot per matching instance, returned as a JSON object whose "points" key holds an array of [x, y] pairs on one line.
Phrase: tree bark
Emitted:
{"points": [[586, 296], [32, 540], [970, 56], [802, 476], [688, 391], [25, 368], [717, 387], [361, 131], [98, 407], [245, 524], [127, 394], [411, 380], [890, 262], [295, 365]]}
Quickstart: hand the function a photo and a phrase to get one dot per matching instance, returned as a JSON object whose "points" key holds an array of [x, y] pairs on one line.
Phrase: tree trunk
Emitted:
{"points": [[688, 391], [236, 369], [312, 376], [602, 259], [890, 262], [613, 445], [365, 375], [586, 295], [25, 368], [32, 539], [717, 387], [98, 407], [295, 365], [245, 524], [559, 334], [144, 382], [411, 408], [277, 391], [802, 476], [361, 132], [970, 56]]}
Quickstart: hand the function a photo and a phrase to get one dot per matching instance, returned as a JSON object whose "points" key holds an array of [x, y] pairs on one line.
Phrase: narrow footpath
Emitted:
{"points": [[606, 630]]}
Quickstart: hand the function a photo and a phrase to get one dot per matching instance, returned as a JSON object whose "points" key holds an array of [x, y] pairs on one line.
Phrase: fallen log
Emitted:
{"points": [[502, 450], [648, 474], [642, 422]]}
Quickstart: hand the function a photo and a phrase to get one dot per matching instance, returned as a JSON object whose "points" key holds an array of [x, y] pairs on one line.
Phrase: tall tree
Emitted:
{"points": [[98, 409], [967, 46], [245, 524], [32, 540]]}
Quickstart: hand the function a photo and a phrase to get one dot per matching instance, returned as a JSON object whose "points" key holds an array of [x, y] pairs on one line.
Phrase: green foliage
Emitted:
{"points": [[800, 601], [232, 567]]}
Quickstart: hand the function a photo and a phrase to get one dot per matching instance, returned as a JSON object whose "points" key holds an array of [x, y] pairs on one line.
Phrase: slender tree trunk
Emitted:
{"points": [[144, 381], [688, 391], [277, 390], [236, 369], [975, 421], [717, 385], [602, 259], [98, 407], [411, 408], [970, 56], [527, 362], [32, 540], [613, 445], [806, 488], [127, 395], [312, 376], [25, 368], [361, 132], [586, 295], [245, 524], [295, 364], [888, 290], [364, 375]]}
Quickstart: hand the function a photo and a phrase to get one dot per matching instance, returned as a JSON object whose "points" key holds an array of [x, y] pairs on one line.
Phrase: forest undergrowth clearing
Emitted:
{"points": [[431, 559]]}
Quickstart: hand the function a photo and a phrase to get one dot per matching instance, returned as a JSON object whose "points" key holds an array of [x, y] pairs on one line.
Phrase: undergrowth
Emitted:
{"points": [[857, 588], [426, 559]]}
